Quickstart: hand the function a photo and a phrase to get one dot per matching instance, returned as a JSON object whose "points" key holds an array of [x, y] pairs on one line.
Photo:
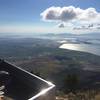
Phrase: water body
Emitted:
{"points": [[94, 49], [84, 44]]}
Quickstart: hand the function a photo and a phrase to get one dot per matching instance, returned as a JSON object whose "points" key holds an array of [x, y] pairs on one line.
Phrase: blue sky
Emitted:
{"points": [[24, 16]]}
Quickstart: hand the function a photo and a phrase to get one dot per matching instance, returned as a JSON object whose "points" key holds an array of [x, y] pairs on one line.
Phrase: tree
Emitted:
{"points": [[71, 83]]}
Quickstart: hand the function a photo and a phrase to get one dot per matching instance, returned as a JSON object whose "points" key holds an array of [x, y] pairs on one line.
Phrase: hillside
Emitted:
{"points": [[43, 57]]}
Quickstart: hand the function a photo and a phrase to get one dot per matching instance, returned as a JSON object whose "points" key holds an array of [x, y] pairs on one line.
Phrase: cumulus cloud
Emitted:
{"points": [[98, 28], [87, 27], [70, 13], [84, 27], [90, 25], [80, 28], [98, 24], [61, 25], [58, 13], [73, 18]]}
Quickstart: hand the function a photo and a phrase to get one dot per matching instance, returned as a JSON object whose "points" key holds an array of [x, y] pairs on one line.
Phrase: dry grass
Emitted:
{"points": [[81, 95]]}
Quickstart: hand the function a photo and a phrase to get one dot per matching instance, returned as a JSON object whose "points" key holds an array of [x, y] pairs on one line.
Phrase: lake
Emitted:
{"points": [[90, 45]]}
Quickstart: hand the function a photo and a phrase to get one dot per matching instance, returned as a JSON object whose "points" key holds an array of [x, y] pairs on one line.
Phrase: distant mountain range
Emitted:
{"points": [[67, 35], [48, 35]]}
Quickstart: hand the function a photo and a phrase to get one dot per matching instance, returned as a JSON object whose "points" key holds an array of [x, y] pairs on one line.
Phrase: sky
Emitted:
{"points": [[49, 16]]}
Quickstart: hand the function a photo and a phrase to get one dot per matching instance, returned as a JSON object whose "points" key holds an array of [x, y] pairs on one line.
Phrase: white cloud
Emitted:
{"points": [[61, 25], [71, 14], [98, 28], [58, 13], [73, 19]]}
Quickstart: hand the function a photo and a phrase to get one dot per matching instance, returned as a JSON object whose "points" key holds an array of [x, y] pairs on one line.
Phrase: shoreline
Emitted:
{"points": [[77, 47]]}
